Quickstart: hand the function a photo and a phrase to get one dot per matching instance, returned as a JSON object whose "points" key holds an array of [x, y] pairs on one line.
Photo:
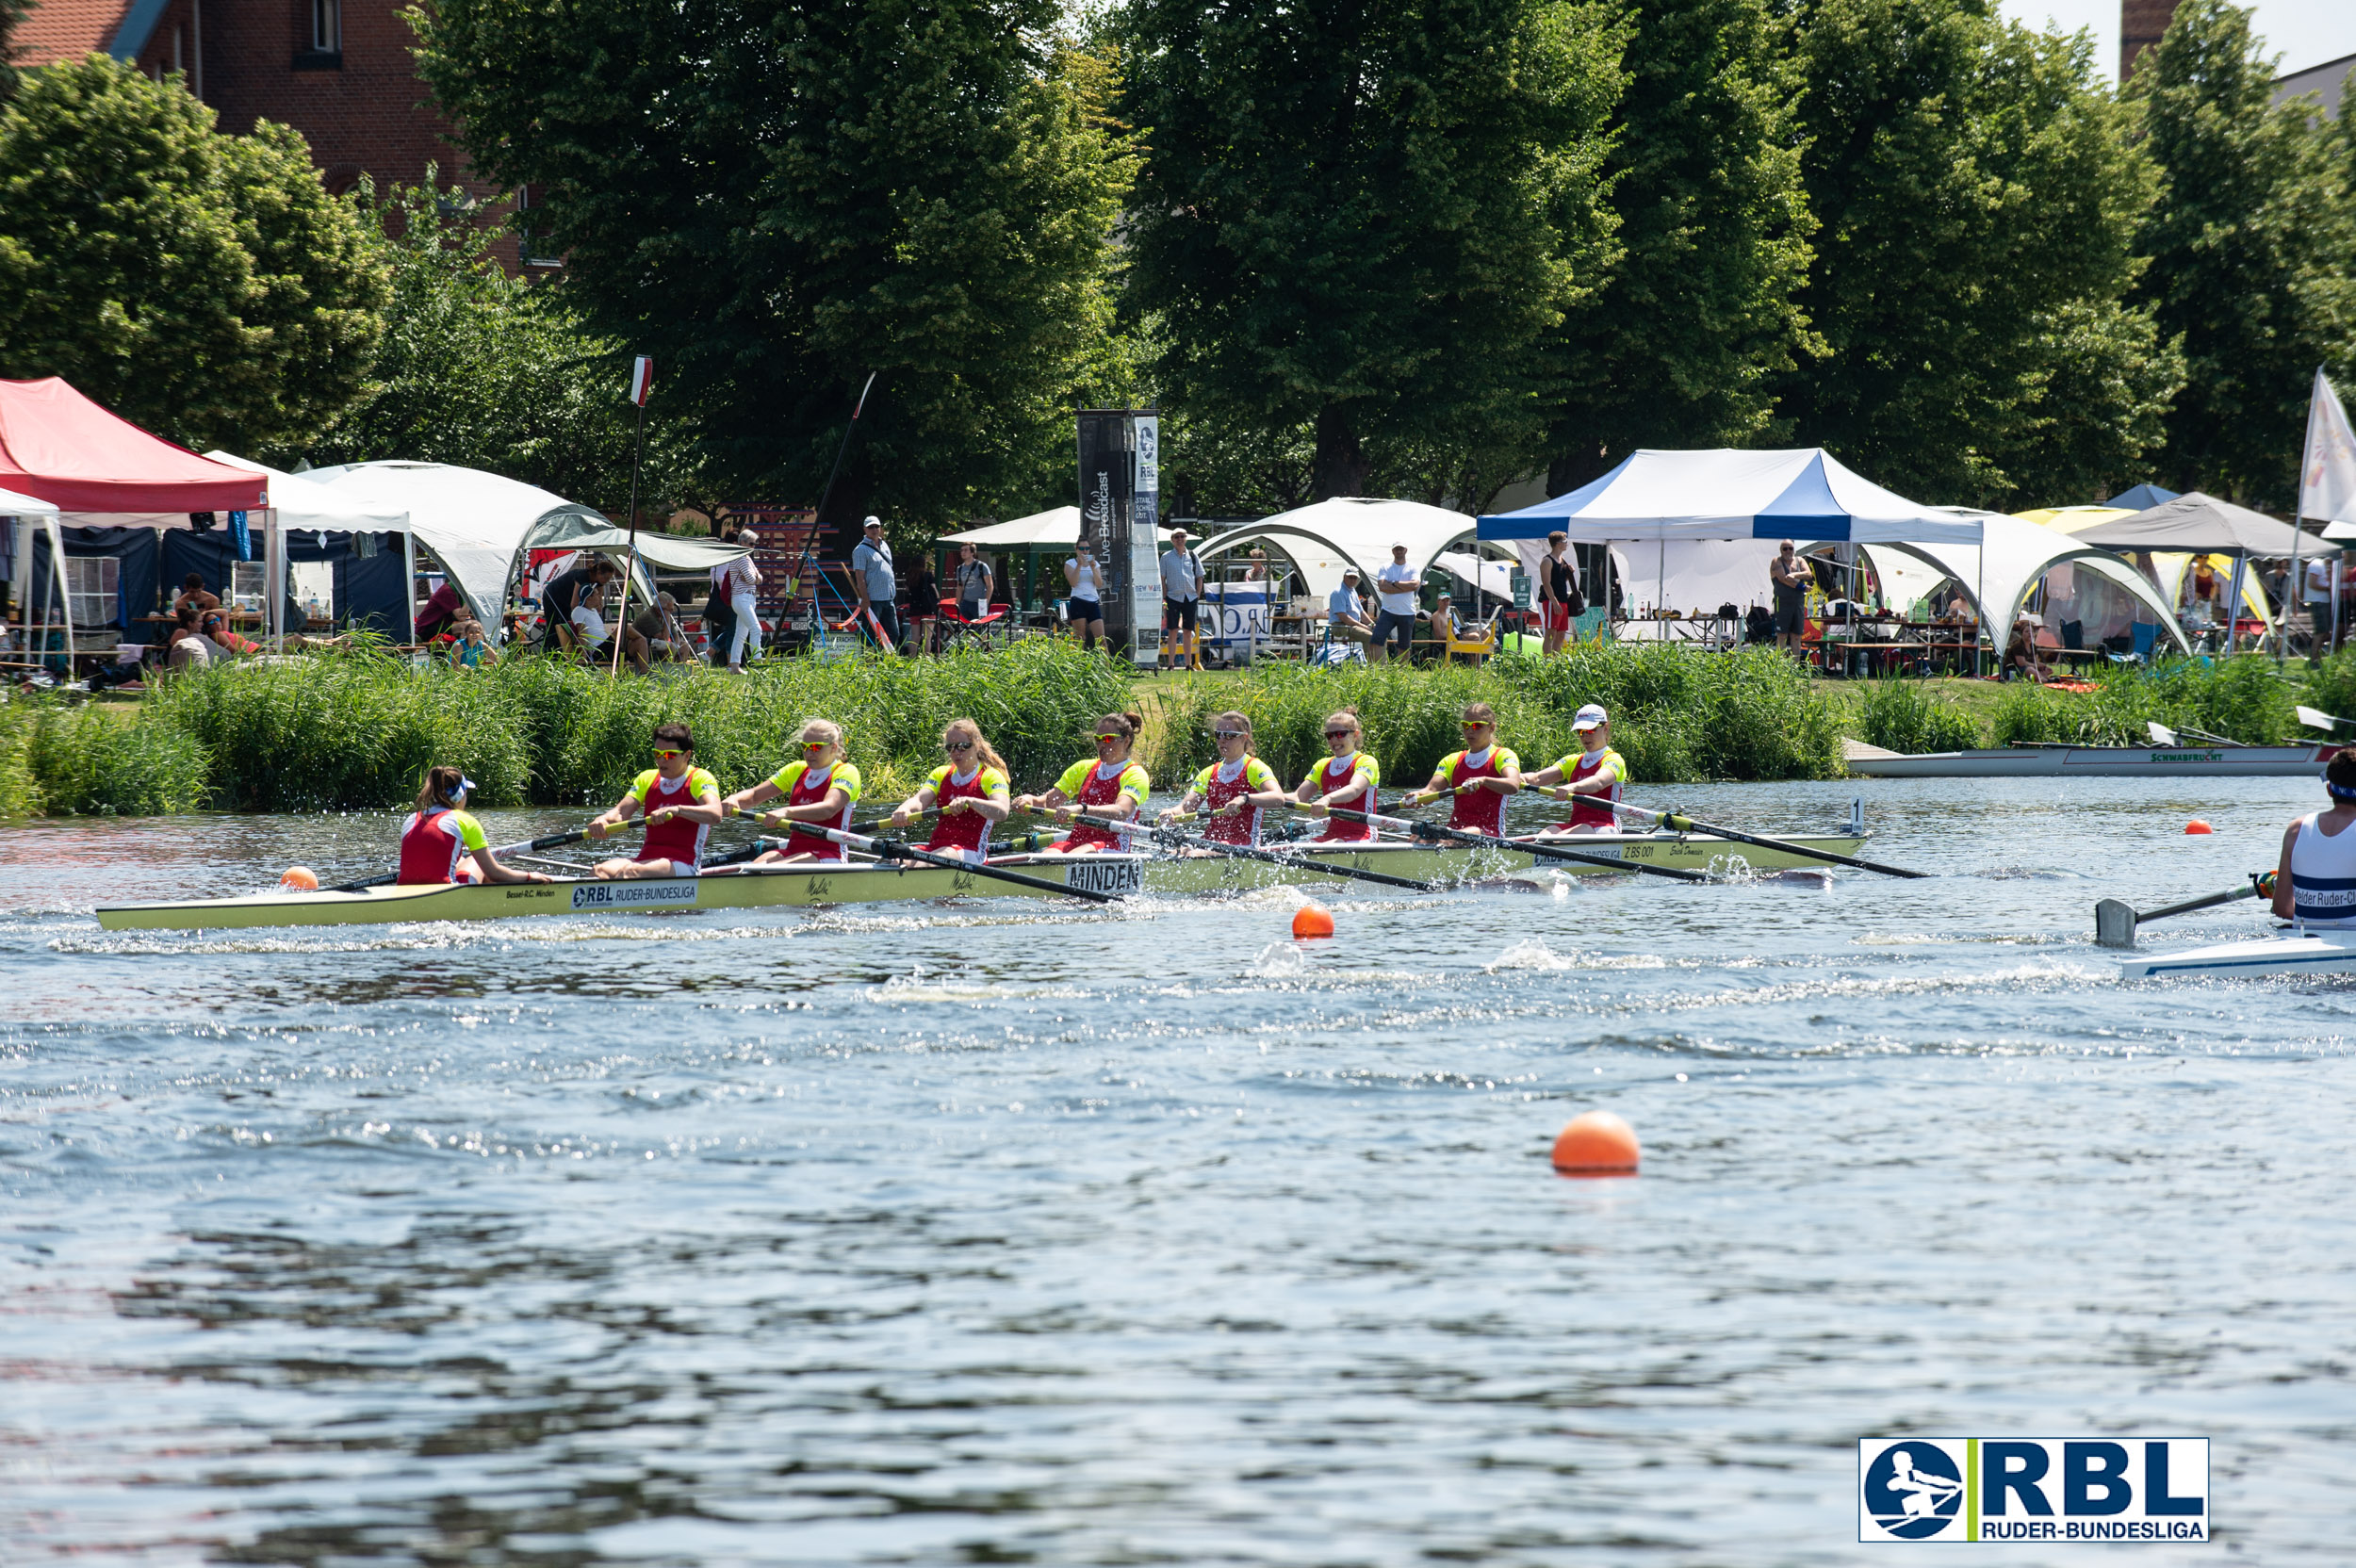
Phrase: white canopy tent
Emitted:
{"points": [[1350, 531], [26, 514], [297, 505], [1999, 573], [476, 522], [1058, 525]]}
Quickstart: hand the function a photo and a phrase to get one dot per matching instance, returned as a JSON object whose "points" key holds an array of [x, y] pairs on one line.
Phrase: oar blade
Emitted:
{"points": [[2315, 718], [2114, 924]]}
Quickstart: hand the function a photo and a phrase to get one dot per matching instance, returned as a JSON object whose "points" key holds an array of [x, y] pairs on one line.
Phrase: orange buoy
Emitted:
{"points": [[300, 879], [1312, 920], [2197, 825], [1596, 1144]]}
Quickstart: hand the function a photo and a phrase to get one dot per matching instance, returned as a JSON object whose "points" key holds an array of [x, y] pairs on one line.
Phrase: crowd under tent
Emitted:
{"points": [[2167, 569], [2084, 585], [476, 523], [555, 542], [2196, 524], [1049, 535], [1656, 499]]}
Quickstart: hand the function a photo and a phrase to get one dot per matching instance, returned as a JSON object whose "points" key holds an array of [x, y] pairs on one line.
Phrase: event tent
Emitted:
{"points": [[1353, 530], [2000, 572], [57, 445], [2166, 567], [476, 522], [2202, 525], [2138, 497], [1056, 526], [54, 603]]}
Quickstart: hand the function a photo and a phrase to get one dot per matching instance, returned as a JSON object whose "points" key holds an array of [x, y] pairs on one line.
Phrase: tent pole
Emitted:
{"points": [[273, 583], [408, 586], [2232, 599], [65, 594]]}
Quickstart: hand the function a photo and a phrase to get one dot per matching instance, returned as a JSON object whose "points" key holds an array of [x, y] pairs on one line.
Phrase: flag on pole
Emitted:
{"points": [[2327, 479], [641, 380]]}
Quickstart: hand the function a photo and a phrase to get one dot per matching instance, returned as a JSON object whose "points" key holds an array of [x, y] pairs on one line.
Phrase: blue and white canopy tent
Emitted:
{"points": [[1661, 499]]}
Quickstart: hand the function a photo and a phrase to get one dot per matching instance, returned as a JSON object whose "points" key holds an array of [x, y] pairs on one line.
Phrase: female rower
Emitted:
{"points": [[2315, 884], [1480, 777], [1592, 780], [680, 803], [441, 829], [970, 789], [1348, 779], [819, 789], [1112, 786], [1234, 789]]}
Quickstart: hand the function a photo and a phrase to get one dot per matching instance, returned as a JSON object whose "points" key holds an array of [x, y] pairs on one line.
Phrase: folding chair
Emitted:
{"points": [[959, 629], [1476, 648]]}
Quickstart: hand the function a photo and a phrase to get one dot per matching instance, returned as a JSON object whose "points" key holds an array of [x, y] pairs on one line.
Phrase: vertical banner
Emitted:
{"points": [[1107, 492], [1145, 556]]}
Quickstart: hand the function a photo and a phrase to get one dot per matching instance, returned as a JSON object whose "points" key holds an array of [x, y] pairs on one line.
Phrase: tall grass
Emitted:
{"points": [[19, 794], [356, 729], [1678, 715], [1901, 715], [2242, 699]]}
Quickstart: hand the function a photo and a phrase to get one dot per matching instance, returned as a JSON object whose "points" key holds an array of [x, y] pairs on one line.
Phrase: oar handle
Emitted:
{"points": [[892, 849], [1434, 832]]}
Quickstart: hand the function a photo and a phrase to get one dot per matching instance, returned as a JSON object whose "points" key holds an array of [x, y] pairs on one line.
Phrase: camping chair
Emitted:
{"points": [[956, 629], [2147, 637], [1463, 639]]}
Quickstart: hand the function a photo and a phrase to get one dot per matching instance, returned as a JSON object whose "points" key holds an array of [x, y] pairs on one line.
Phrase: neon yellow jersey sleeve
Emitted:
{"points": [[1369, 767], [1448, 764], [642, 784], [935, 778], [1135, 783], [1507, 761], [1202, 780], [995, 785], [1615, 767], [702, 784], [469, 831], [847, 777], [787, 777], [1260, 775], [1074, 777]]}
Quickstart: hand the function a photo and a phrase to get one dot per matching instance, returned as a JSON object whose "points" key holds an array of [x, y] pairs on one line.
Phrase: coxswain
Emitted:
{"points": [[441, 831], [819, 788], [1347, 778], [680, 803], [1478, 777], [1112, 785], [1592, 779], [1234, 791], [2315, 884], [969, 792]]}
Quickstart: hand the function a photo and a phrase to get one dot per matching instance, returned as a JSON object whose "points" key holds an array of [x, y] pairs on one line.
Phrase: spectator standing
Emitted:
{"points": [[1181, 602], [1396, 584], [741, 578], [1085, 579], [871, 564], [973, 583], [923, 605], [1558, 584], [1788, 575]]}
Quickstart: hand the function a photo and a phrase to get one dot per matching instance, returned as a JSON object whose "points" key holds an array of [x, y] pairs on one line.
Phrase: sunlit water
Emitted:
{"points": [[995, 1232]]}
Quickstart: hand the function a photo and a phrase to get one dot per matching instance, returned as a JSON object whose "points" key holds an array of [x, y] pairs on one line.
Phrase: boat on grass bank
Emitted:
{"points": [[863, 881]]}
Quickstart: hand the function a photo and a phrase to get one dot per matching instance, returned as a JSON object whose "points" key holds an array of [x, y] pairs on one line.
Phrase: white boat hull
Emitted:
{"points": [[2094, 762], [2311, 952]]}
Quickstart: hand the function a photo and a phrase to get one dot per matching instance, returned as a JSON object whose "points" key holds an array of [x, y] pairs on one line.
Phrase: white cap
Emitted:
{"points": [[1590, 716], [873, 522], [1350, 571]]}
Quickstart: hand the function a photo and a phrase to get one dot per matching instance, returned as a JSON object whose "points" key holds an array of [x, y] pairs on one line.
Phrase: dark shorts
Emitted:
{"points": [[1178, 614], [1391, 627], [1791, 611], [1082, 610]]}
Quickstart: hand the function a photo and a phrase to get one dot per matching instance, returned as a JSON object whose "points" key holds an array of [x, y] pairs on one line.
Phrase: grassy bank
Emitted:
{"points": [[2243, 698], [356, 731]]}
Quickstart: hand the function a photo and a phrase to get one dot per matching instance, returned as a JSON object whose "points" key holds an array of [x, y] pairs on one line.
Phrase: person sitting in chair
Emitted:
{"points": [[2020, 652]]}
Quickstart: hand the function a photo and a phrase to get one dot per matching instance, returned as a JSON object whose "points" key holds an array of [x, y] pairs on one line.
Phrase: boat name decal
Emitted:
{"points": [[2187, 757], [1106, 877], [634, 895]]}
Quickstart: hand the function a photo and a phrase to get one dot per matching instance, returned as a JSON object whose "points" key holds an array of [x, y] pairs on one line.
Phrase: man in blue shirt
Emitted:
{"points": [[870, 562], [1182, 595], [1346, 613]]}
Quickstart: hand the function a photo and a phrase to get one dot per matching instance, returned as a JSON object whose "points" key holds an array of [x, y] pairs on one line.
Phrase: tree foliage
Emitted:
{"points": [[1978, 195], [1362, 216], [488, 370], [777, 198], [203, 285], [2252, 247], [1679, 346]]}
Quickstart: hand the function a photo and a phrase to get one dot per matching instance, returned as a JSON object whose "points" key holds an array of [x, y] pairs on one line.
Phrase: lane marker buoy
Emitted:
{"points": [[2197, 825], [300, 878], [1312, 920], [1596, 1144]]}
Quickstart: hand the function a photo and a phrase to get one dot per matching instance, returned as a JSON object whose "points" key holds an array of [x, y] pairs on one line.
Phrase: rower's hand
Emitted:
{"points": [[538, 876], [898, 818], [1316, 808], [1234, 808], [958, 806], [661, 816], [598, 828], [1561, 792], [774, 819]]}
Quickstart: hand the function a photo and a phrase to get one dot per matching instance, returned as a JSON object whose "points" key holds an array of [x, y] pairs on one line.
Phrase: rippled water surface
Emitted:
{"points": [[1003, 1232]]}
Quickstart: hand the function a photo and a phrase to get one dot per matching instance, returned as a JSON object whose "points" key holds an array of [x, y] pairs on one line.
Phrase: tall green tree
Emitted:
{"points": [[204, 285], [776, 198], [485, 370], [1681, 345], [2252, 247], [1364, 216], [1978, 195]]}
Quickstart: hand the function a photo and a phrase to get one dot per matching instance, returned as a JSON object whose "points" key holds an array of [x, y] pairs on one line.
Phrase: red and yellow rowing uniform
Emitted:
{"points": [[1477, 810], [1588, 813], [1335, 772], [1222, 782], [968, 832], [679, 842], [432, 842], [802, 787], [1093, 788]]}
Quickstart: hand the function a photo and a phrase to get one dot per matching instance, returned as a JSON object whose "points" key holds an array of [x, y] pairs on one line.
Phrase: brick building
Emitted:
{"points": [[338, 71]]}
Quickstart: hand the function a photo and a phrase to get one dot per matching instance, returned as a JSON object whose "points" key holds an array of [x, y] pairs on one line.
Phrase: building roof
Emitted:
{"points": [[2325, 80], [68, 29]]}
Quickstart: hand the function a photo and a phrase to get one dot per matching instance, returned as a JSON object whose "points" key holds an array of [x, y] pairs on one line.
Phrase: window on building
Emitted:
{"points": [[533, 243], [327, 26], [91, 587]]}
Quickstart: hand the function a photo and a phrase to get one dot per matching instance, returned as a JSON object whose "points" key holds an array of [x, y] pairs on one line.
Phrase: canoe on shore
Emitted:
{"points": [[870, 882]]}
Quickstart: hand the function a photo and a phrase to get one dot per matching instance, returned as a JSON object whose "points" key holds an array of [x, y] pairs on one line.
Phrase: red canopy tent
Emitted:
{"points": [[58, 446]]}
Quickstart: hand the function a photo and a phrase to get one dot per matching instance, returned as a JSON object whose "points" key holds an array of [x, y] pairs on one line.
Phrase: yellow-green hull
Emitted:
{"points": [[866, 882]]}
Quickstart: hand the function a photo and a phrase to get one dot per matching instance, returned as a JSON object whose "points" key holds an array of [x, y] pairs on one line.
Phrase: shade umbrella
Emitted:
{"points": [[2142, 496], [2200, 524]]}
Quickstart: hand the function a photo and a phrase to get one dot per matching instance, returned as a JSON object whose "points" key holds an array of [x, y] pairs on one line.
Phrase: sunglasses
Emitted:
{"points": [[1339, 734], [1469, 728], [1233, 734], [666, 753], [1102, 739], [816, 746], [957, 746]]}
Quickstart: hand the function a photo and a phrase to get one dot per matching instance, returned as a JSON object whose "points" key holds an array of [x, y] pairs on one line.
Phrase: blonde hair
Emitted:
{"points": [[1233, 720], [984, 754], [832, 731], [1347, 713], [1480, 713]]}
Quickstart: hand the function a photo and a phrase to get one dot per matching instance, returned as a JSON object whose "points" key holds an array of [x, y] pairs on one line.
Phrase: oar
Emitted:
{"points": [[2163, 736], [1686, 824], [553, 841], [2115, 921], [2315, 718], [1488, 840], [1241, 851], [892, 849]]}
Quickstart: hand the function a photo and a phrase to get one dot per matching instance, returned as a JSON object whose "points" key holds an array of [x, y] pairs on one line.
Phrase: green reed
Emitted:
{"points": [[1902, 715], [89, 762]]}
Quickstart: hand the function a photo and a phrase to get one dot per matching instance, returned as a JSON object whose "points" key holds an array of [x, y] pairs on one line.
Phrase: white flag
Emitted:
{"points": [[2327, 479]]}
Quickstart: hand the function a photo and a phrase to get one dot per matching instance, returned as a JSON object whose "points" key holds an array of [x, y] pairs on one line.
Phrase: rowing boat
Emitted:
{"points": [[2068, 762], [873, 882], [2307, 952]]}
